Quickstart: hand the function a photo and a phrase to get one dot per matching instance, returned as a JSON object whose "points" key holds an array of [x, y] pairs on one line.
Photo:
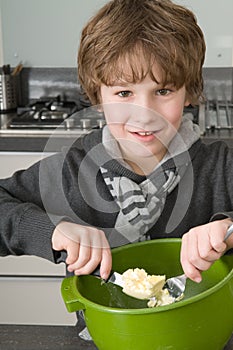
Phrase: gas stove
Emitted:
{"points": [[215, 118], [48, 115], [44, 115], [218, 115]]}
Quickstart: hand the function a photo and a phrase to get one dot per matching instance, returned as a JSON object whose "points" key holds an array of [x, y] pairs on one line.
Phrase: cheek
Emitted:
{"points": [[115, 113], [114, 119], [117, 130], [174, 114]]}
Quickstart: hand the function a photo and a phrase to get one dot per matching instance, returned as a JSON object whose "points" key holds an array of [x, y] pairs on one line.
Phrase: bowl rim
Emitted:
{"points": [[170, 307]]}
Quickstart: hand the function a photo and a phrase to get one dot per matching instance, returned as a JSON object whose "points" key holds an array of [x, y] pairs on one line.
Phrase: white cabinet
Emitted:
{"points": [[12, 161], [33, 300], [36, 299]]}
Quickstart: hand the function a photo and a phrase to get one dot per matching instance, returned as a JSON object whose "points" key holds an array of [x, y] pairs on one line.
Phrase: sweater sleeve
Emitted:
{"points": [[29, 210]]}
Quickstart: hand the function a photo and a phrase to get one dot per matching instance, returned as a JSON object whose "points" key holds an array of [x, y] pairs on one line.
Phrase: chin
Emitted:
{"points": [[149, 154]]}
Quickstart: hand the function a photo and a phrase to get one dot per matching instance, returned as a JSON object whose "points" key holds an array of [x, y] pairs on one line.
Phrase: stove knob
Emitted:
{"points": [[85, 123], [100, 123], [69, 123]]}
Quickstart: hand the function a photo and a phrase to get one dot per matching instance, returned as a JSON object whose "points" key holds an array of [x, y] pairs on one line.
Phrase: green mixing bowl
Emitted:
{"points": [[202, 320]]}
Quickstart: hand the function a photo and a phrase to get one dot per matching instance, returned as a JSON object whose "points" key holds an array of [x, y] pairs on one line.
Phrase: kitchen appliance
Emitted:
{"points": [[215, 118], [202, 320], [62, 116], [49, 113]]}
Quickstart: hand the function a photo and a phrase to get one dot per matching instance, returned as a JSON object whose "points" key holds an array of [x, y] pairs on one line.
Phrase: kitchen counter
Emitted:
{"points": [[13, 337], [38, 142], [23, 337]]}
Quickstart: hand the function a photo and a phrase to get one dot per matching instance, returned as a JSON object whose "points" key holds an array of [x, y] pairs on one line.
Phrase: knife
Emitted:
{"points": [[115, 277]]}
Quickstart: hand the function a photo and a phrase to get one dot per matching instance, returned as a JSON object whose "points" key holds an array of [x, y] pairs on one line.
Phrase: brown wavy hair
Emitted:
{"points": [[124, 31]]}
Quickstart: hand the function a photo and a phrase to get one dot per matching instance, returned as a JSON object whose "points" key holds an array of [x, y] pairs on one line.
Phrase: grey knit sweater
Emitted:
{"points": [[69, 186]]}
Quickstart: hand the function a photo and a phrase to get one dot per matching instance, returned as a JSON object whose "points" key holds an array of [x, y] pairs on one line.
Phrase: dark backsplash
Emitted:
{"points": [[218, 83], [50, 82], [39, 82]]}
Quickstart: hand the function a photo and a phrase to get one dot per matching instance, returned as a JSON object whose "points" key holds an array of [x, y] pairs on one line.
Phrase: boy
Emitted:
{"points": [[147, 174]]}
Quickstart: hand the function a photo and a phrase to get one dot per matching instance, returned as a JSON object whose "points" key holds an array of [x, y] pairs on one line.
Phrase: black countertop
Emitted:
{"points": [[24, 337], [13, 337], [36, 143], [39, 143]]}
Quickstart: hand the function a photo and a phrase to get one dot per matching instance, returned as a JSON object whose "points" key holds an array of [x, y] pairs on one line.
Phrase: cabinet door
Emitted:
{"points": [[13, 161], [10, 162], [33, 300], [30, 286]]}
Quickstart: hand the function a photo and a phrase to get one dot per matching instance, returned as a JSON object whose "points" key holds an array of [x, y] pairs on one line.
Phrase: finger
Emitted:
{"points": [[206, 247], [91, 265], [72, 253], [189, 269], [199, 248], [106, 263], [218, 244], [106, 260], [195, 258], [83, 258]]}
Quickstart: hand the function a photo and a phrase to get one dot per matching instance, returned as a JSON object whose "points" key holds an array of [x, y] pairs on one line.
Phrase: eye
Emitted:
{"points": [[163, 92], [125, 93]]}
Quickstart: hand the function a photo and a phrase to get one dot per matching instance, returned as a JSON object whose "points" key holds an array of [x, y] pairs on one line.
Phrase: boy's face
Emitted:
{"points": [[143, 117]]}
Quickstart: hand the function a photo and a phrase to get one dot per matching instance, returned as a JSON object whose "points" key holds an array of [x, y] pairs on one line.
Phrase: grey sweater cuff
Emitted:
{"points": [[222, 215], [35, 231]]}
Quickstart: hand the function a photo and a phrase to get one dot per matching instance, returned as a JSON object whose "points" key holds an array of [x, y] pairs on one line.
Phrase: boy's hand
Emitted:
{"points": [[86, 247], [202, 245]]}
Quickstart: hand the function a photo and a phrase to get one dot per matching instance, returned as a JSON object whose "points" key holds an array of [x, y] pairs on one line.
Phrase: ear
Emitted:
{"points": [[187, 102], [100, 108]]}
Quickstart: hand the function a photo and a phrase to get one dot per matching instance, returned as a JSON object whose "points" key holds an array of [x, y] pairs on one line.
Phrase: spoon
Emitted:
{"points": [[176, 285]]}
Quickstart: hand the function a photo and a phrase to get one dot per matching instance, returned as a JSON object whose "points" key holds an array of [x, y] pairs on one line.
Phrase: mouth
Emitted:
{"points": [[144, 136], [144, 133]]}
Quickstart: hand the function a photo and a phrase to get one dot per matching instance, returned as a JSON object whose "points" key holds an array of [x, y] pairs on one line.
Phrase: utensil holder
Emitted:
{"points": [[8, 92]]}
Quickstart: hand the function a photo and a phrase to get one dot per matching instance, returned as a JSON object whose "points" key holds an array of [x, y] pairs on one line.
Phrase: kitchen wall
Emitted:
{"points": [[215, 19], [1, 45], [46, 33]]}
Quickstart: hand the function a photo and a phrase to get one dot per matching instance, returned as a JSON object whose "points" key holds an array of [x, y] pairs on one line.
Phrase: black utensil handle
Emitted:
{"points": [[96, 272], [60, 256]]}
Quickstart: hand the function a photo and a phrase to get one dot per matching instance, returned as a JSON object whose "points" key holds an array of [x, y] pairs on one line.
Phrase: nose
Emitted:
{"points": [[145, 101], [143, 111]]}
